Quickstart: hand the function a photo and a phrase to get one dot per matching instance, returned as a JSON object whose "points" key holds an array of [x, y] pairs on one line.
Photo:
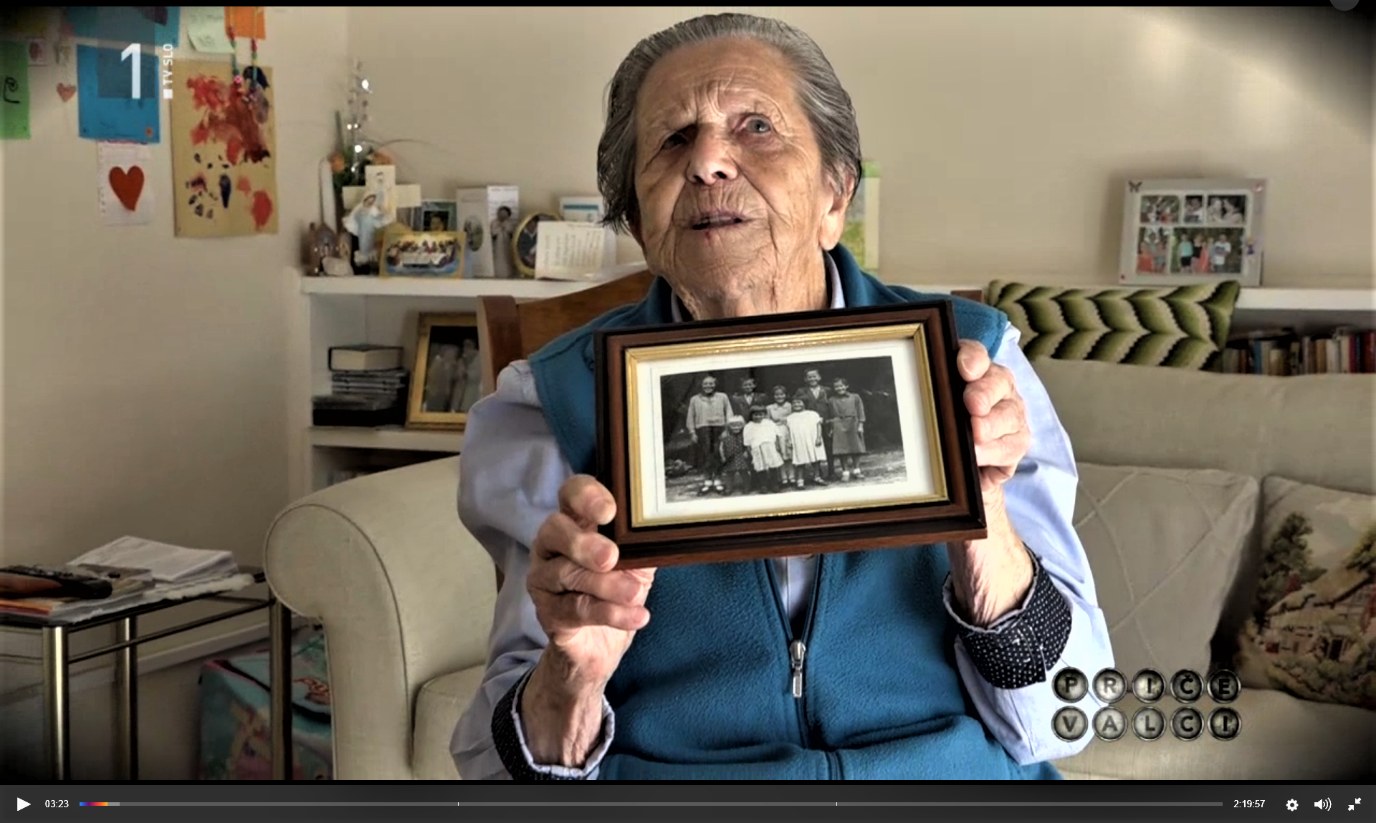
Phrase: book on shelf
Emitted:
{"points": [[1283, 352], [364, 357], [383, 382], [123, 574]]}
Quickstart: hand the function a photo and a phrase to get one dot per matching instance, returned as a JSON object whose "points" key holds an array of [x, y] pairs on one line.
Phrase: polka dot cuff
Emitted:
{"points": [[1023, 645], [510, 742]]}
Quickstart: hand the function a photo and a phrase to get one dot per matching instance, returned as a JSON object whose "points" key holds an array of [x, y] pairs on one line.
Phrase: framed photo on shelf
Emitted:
{"points": [[436, 215], [524, 242], [1177, 232], [447, 379], [409, 253], [753, 437]]}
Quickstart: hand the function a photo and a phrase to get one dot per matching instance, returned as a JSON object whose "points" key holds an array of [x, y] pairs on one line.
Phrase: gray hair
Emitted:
{"points": [[828, 106]]}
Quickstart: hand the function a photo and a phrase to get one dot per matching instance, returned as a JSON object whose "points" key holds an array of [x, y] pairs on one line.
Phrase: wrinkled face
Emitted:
{"points": [[732, 195], [709, 385]]}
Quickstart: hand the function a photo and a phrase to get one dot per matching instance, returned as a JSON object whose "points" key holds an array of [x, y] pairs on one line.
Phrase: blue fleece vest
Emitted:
{"points": [[705, 690]]}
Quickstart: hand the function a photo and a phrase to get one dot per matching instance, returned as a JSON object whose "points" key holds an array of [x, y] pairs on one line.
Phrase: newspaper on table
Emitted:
{"points": [[178, 573], [166, 562]]}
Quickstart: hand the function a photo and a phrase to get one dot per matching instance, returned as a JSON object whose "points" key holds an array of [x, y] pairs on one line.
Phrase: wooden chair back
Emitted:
{"points": [[510, 331]]}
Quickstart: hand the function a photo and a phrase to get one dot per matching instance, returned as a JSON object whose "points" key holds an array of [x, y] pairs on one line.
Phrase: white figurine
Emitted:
{"points": [[364, 221]]}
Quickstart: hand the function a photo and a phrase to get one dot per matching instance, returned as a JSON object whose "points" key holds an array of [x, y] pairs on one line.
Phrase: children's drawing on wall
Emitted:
{"points": [[125, 199], [224, 163]]}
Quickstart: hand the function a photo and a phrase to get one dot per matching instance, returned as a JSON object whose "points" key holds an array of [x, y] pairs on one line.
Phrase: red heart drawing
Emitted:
{"points": [[127, 185], [65, 91]]}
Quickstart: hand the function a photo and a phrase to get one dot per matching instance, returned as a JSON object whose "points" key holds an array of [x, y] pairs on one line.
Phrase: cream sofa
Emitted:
{"points": [[405, 593]]}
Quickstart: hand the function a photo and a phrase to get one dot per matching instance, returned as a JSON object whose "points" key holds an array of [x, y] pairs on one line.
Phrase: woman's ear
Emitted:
{"points": [[834, 207]]}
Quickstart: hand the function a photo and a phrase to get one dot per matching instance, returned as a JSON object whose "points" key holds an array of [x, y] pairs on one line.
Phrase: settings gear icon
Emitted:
{"points": [[1291, 805]]}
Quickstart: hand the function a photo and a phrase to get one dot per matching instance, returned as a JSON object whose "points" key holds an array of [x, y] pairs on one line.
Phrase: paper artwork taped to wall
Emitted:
{"points": [[224, 155]]}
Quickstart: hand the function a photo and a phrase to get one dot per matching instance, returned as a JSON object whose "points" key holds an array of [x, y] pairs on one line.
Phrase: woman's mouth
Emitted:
{"points": [[715, 220]]}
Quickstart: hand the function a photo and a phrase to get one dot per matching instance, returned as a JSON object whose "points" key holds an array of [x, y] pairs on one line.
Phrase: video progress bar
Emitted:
{"points": [[970, 804]]}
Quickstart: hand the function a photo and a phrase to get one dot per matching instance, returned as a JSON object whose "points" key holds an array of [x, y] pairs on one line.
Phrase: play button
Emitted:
{"points": [[21, 803]]}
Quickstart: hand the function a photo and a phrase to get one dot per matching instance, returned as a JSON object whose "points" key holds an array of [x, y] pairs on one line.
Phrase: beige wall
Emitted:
{"points": [[1004, 135], [144, 376]]}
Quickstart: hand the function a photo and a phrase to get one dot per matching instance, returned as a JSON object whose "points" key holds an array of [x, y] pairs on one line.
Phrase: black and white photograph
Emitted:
{"points": [[447, 377], [781, 429]]}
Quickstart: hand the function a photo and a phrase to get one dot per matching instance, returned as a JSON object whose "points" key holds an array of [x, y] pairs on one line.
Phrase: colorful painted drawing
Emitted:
{"points": [[224, 163]]}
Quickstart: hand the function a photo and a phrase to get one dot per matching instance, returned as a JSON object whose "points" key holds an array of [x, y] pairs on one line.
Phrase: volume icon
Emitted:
{"points": [[1326, 804]]}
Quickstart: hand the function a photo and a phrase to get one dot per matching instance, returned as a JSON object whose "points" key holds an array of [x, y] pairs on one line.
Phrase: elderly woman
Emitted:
{"points": [[730, 152]]}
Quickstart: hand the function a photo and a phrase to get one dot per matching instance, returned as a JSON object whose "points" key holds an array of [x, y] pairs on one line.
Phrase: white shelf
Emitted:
{"points": [[1345, 300], [388, 437], [369, 286]]}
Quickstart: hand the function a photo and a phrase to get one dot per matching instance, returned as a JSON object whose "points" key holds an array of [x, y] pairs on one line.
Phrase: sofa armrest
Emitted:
{"points": [[404, 592]]}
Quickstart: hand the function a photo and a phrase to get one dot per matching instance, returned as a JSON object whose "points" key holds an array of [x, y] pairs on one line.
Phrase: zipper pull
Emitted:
{"points": [[797, 652]]}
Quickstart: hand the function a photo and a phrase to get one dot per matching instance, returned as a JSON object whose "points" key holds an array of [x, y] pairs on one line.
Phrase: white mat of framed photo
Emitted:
{"points": [[1192, 230]]}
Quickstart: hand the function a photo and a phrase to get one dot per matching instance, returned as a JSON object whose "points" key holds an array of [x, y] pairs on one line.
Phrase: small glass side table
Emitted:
{"points": [[57, 659]]}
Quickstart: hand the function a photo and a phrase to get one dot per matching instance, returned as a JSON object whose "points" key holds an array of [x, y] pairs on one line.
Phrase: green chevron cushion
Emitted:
{"points": [[1185, 327]]}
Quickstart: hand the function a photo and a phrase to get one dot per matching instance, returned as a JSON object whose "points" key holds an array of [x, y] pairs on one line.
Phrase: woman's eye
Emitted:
{"points": [[758, 125], [675, 139]]}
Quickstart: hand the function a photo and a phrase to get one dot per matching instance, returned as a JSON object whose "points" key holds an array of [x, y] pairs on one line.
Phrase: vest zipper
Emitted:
{"points": [[797, 651]]}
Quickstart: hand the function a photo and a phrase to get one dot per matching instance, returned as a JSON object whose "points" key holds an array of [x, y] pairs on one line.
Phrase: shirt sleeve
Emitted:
{"points": [[1007, 667], [509, 483]]}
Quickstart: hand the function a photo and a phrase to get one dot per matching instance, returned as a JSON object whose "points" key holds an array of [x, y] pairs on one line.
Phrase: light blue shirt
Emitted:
{"points": [[522, 469]]}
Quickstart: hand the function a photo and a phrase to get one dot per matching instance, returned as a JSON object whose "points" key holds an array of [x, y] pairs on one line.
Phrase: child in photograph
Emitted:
{"points": [[1219, 253], [707, 414], [735, 457], [1201, 256], [847, 429], [1144, 256], [1194, 210], [1186, 250], [762, 439], [778, 412], [816, 397], [1215, 210], [1232, 213], [805, 443], [748, 396], [1158, 254]]}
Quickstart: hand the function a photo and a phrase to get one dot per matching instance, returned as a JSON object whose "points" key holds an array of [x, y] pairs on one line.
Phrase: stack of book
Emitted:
{"points": [[1284, 352], [368, 387], [122, 574]]}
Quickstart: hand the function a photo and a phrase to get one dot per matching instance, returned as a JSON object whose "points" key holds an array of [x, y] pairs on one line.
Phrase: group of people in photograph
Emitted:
{"points": [[755, 442]]}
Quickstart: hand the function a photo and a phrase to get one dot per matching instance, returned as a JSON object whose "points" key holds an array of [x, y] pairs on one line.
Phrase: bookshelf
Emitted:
{"points": [[329, 311], [340, 311]]}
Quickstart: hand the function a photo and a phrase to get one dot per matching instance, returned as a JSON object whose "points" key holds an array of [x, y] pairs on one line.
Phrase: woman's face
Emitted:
{"points": [[728, 176]]}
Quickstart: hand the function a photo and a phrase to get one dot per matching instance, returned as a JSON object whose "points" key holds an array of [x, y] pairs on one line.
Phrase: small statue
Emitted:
{"points": [[322, 247], [364, 221]]}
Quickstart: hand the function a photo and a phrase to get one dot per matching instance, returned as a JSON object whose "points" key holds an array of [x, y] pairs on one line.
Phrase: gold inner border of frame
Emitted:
{"points": [[775, 342]]}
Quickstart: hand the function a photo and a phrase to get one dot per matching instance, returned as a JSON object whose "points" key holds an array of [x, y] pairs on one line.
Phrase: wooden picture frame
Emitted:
{"points": [[915, 478], [447, 378], [409, 253], [1192, 230]]}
